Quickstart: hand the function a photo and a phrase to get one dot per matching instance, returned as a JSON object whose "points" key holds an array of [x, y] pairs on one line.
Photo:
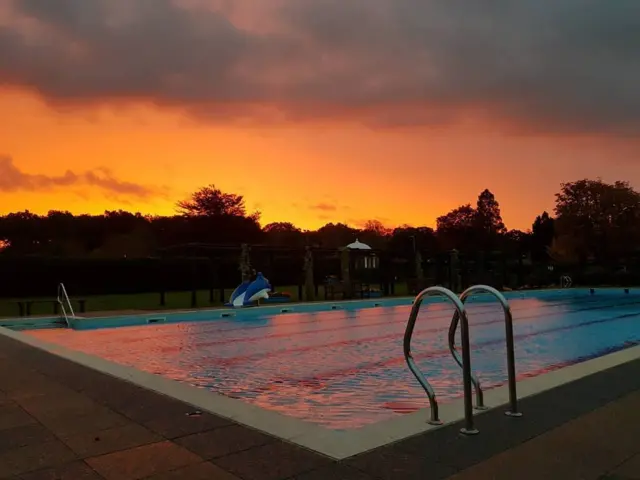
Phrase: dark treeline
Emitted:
{"points": [[593, 220], [594, 223]]}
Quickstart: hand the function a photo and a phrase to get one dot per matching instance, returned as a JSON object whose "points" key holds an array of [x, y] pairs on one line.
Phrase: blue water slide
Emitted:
{"points": [[238, 293], [250, 291], [259, 288]]}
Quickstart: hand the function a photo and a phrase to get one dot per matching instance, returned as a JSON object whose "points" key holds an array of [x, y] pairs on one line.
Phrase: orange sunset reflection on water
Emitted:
{"points": [[344, 369]]}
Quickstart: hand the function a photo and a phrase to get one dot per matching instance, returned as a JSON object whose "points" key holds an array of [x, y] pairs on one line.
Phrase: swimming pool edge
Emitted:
{"points": [[100, 320], [337, 445], [389, 431]]}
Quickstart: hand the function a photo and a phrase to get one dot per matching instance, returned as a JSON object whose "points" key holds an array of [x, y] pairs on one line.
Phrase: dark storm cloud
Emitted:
{"points": [[12, 179], [568, 65]]}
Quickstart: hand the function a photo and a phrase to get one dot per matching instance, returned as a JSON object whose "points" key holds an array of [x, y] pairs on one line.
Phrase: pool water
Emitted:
{"points": [[345, 369]]}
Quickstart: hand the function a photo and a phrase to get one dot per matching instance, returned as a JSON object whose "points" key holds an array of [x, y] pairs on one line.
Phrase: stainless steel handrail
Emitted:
{"points": [[475, 381], [566, 281], [508, 326], [62, 298], [466, 358]]}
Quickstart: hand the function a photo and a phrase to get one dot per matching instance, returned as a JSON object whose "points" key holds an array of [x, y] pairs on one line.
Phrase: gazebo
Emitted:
{"points": [[358, 245], [363, 261], [359, 268]]}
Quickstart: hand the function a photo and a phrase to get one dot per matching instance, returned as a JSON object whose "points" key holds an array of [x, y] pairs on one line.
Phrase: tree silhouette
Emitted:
{"points": [[458, 228], [411, 239], [542, 234], [281, 227], [472, 229], [376, 227], [210, 201], [283, 233], [593, 220], [375, 234], [335, 235], [602, 219], [488, 216], [461, 218]]}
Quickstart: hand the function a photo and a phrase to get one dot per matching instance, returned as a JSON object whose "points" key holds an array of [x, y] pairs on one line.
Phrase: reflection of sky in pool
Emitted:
{"points": [[345, 369]]}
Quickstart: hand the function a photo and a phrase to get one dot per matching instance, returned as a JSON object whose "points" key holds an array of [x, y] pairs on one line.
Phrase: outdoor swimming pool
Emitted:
{"points": [[344, 369]]}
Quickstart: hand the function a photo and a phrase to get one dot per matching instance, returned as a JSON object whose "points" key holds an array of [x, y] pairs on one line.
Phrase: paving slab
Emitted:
{"points": [[22, 436], [275, 461], [199, 471], [12, 416], [143, 461], [34, 457], [5, 400], [582, 449], [334, 471], [188, 421], [68, 424], [111, 440], [224, 441], [627, 470], [77, 470]]}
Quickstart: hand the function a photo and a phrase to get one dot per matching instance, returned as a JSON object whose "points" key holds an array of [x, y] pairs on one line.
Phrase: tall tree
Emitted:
{"points": [[375, 234], [601, 218], [542, 233], [283, 233], [335, 235], [281, 227], [376, 227], [472, 229], [458, 228], [210, 201], [463, 217], [22, 233], [488, 215]]}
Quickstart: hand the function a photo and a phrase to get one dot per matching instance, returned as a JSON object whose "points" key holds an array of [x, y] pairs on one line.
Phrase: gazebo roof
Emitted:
{"points": [[358, 245]]}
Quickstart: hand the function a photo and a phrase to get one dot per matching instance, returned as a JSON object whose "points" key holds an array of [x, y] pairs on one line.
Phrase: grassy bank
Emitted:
{"points": [[141, 301]]}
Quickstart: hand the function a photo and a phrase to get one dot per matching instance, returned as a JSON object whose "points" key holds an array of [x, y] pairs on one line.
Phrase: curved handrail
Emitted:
{"points": [[475, 381], [566, 281], [508, 325], [466, 358], [62, 298]]}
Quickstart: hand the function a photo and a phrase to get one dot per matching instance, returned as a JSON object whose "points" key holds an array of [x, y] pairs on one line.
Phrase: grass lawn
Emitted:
{"points": [[143, 301]]}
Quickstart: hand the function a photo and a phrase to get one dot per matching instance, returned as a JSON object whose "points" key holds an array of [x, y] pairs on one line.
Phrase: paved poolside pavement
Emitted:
{"points": [[63, 421]]}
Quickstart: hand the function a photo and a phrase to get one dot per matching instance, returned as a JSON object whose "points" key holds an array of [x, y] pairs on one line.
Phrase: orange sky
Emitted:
{"points": [[314, 110], [307, 175]]}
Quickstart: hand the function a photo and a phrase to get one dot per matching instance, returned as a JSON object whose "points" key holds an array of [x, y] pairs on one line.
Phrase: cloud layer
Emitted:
{"points": [[569, 66], [12, 179], [323, 207]]}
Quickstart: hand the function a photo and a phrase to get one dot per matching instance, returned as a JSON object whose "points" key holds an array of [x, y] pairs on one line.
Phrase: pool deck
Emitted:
{"points": [[61, 420]]}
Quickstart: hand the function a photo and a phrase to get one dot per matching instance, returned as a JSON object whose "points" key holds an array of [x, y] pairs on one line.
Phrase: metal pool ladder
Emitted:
{"points": [[65, 304], [511, 361], [468, 379], [466, 358], [566, 281]]}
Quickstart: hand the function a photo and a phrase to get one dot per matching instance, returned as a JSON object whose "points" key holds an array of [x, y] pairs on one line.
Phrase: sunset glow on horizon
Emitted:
{"points": [[311, 124]]}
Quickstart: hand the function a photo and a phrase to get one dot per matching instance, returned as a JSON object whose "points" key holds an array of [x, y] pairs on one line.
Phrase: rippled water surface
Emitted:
{"points": [[345, 369]]}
